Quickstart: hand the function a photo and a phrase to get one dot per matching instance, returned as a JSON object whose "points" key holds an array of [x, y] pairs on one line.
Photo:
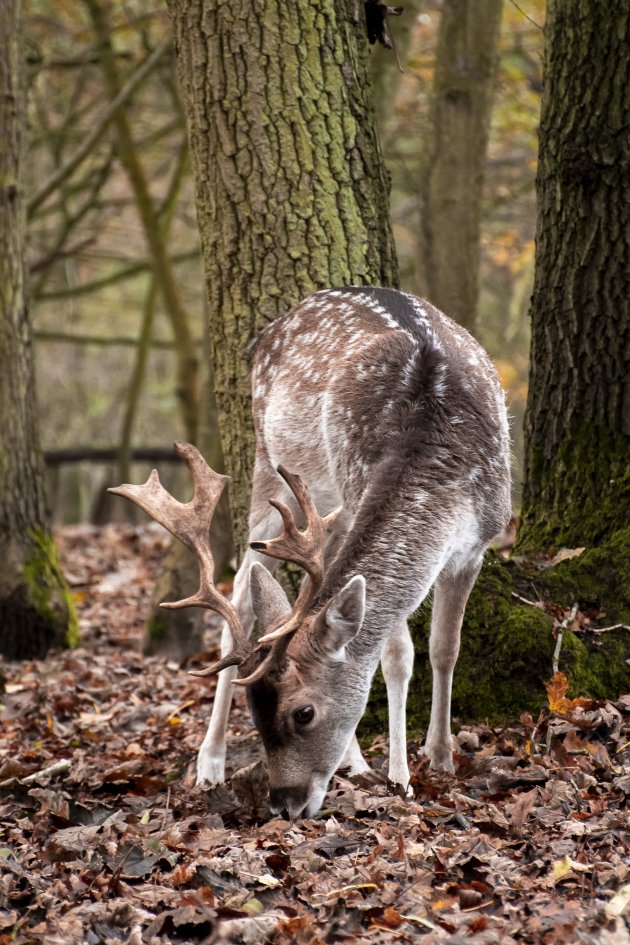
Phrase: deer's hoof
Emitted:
{"points": [[440, 757], [403, 789], [399, 777], [210, 771]]}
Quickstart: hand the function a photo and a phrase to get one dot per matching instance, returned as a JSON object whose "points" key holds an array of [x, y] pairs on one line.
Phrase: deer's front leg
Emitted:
{"points": [[211, 757], [353, 758], [397, 666]]}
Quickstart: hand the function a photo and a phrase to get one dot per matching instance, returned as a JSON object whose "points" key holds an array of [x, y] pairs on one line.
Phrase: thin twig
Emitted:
{"points": [[167, 808], [100, 340], [524, 600], [129, 272], [99, 128], [615, 626], [563, 626], [58, 767], [527, 17]]}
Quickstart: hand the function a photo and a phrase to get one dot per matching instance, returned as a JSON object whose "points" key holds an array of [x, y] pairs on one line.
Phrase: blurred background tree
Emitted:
{"points": [[36, 610], [452, 172]]}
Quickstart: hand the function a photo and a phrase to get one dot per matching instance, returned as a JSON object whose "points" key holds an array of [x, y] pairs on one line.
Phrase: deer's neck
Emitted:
{"points": [[393, 541]]}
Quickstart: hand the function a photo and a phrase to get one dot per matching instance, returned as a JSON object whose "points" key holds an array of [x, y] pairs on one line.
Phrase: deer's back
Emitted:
{"points": [[358, 383]]}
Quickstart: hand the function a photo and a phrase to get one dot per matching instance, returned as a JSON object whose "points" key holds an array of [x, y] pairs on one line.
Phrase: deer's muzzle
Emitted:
{"points": [[298, 801]]}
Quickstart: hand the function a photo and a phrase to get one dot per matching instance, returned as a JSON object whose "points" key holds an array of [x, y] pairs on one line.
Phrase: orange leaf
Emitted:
{"points": [[181, 875], [556, 691], [392, 918], [556, 695]]}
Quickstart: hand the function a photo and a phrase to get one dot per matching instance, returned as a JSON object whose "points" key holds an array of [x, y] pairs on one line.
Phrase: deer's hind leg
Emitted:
{"points": [[449, 602]]}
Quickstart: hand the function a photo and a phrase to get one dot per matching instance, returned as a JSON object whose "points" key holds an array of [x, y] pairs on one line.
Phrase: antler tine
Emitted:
{"points": [[190, 523], [305, 549]]}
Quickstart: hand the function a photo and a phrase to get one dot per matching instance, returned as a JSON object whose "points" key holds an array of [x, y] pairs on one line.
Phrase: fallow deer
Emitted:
{"points": [[392, 412]]}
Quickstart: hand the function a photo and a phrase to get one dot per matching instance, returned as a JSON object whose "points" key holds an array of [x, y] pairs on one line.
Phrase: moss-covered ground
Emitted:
{"points": [[507, 645], [48, 592], [37, 610]]}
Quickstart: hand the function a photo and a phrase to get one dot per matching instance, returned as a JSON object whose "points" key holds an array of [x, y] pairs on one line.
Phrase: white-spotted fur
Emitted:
{"points": [[307, 420]]}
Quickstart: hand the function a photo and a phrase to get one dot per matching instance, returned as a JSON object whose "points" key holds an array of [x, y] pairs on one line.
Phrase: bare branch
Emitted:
{"points": [[100, 126], [100, 341], [129, 272]]}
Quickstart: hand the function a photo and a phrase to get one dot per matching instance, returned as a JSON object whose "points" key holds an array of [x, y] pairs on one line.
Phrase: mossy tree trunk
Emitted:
{"points": [[292, 195], [577, 430], [454, 166], [35, 607]]}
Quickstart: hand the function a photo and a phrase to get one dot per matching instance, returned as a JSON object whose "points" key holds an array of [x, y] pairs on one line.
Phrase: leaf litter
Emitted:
{"points": [[105, 838]]}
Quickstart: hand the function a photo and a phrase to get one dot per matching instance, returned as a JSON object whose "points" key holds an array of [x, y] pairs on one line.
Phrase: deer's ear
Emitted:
{"points": [[269, 601], [343, 617]]}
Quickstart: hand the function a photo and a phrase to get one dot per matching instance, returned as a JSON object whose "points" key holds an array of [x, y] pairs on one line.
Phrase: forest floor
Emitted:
{"points": [[105, 838]]}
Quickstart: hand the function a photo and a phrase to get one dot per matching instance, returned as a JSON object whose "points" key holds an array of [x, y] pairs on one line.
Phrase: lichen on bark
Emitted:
{"points": [[48, 592], [596, 460]]}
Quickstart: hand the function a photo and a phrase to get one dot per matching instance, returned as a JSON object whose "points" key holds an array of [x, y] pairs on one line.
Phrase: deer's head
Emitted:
{"points": [[304, 702]]}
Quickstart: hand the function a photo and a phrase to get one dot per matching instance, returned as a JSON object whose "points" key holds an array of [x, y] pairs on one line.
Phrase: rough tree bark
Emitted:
{"points": [[292, 195], [454, 166], [36, 610], [577, 430]]}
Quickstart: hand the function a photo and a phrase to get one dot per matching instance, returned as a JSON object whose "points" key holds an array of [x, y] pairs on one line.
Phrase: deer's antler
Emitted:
{"points": [[190, 523], [304, 548]]}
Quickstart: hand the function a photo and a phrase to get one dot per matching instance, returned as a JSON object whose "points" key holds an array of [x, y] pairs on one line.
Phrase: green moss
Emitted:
{"points": [[562, 507], [507, 647], [157, 627], [599, 578], [596, 666], [47, 589]]}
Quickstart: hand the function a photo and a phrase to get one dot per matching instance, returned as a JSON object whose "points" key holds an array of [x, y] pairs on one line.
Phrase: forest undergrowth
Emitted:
{"points": [[105, 839]]}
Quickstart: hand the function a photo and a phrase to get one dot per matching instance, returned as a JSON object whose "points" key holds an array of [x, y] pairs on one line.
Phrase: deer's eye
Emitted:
{"points": [[304, 715]]}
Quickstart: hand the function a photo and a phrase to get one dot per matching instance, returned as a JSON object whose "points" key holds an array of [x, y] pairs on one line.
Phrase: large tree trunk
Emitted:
{"points": [[35, 606], [454, 167], [291, 192], [577, 450]]}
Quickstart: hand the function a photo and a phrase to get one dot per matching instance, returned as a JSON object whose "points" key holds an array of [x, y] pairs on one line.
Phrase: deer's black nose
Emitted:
{"points": [[289, 801]]}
